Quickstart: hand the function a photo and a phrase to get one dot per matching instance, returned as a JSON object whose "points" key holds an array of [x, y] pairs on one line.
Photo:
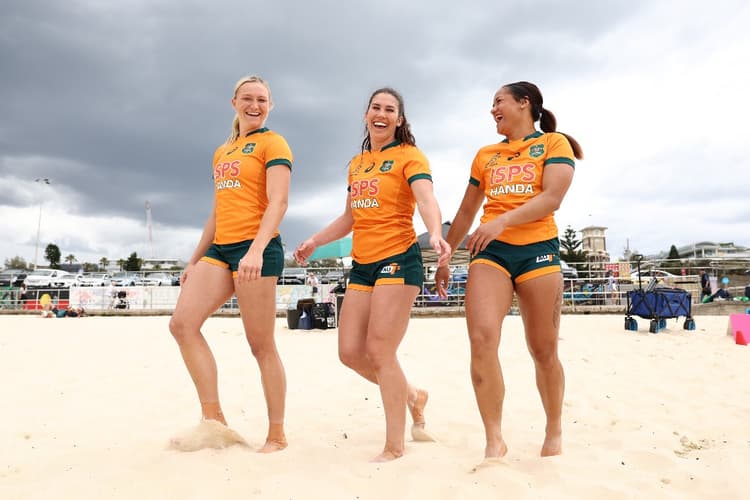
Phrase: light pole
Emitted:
{"points": [[39, 222]]}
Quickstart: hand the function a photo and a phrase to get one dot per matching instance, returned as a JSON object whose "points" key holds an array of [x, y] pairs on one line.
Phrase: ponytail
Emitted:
{"points": [[548, 123]]}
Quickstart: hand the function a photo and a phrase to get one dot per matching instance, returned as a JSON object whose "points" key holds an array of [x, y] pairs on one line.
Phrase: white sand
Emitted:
{"points": [[88, 406]]}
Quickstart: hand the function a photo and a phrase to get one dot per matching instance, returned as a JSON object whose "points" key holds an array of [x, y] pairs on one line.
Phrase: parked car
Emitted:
{"points": [[647, 274], [123, 278], [94, 279], [158, 279], [332, 277], [293, 276], [12, 277], [43, 278], [65, 280], [568, 272]]}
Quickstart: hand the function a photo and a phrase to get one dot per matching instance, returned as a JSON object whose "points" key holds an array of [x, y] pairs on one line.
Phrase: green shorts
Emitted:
{"points": [[228, 256], [402, 269], [522, 262]]}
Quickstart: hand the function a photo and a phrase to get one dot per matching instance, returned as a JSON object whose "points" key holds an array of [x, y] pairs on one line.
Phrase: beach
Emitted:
{"points": [[89, 405]]}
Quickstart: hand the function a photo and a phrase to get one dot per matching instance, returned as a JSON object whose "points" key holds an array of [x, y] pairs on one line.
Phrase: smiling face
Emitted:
{"points": [[509, 114], [252, 102], [382, 117]]}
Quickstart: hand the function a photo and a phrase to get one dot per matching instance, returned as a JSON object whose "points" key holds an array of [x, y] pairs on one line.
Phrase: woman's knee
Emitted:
{"points": [[262, 346], [484, 341], [544, 353], [352, 357], [180, 327]]}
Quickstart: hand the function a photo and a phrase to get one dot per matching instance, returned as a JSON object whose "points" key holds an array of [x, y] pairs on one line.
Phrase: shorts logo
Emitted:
{"points": [[536, 150], [249, 148], [391, 269], [544, 258], [386, 166], [369, 169]]}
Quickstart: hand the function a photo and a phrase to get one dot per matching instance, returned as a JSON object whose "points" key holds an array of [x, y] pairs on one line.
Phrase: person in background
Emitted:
{"points": [[705, 285], [240, 253], [386, 180], [521, 180]]}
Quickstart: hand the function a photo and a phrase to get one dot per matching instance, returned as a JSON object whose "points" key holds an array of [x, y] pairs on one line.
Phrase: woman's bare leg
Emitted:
{"points": [[257, 301], [206, 289], [489, 294], [540, 300]]}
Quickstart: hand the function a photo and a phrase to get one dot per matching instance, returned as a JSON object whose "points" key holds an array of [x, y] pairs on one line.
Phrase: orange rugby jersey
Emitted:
{"points": [[510, 173], [382, 202], [240, 183]]}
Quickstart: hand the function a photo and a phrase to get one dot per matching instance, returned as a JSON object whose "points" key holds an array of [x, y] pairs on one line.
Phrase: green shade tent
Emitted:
{"points": [[333, 250]]}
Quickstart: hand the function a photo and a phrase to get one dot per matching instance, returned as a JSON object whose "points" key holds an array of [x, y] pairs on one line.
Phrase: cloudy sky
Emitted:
{"points": [[119, 103]]}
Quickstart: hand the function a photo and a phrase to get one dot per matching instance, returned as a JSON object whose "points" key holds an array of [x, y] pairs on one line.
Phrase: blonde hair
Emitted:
{"points": [[236, 122]]}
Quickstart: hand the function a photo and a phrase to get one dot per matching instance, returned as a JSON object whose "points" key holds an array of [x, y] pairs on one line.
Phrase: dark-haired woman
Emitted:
{"points": [[386, 180], [521, 180]]}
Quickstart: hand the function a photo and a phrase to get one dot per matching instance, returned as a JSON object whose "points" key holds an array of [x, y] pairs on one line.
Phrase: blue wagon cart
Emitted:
{"points": [[658, 305]]}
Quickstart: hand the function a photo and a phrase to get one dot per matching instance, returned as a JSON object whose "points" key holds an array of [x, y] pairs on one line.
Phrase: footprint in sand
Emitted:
{"points": [[687, 446]]}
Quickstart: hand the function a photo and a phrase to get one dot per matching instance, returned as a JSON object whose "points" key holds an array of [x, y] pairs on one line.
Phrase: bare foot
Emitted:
{"points": [[387, 456], [416, 408], [496, 450], [273, 445], [207, 434], [552, 446]]}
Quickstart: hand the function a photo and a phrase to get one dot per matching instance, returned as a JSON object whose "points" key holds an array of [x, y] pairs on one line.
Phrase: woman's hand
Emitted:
{"points": [[484, 234], [304, 251], [249, 267], [184, 276], [442, 277], [442, 249]]}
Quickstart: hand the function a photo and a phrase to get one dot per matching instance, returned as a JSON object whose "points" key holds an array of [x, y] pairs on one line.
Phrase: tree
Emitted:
{"points": [[52, 254], [570, 245], [70, 258], [103, 263], [121, 264], [89, 267], [673, 254], [15, 263], [133, 263]]}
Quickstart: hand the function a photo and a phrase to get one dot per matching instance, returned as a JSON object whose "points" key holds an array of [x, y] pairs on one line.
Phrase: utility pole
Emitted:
{"points": [[43, 180]]}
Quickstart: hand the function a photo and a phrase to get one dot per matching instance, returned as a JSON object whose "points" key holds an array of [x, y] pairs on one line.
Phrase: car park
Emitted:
{"points": [[332, 277], [124, 278], [293, 276], [12, 277], [65, 280], [43, 278], [94, 279], [158, 279]]}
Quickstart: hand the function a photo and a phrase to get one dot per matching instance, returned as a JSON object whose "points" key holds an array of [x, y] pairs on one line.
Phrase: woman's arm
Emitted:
{"points": [[338, 228], [277, 191], [430, 213]]}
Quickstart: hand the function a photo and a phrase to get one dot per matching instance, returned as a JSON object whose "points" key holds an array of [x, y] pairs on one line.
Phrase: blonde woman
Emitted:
{"points": [[239, 253]]}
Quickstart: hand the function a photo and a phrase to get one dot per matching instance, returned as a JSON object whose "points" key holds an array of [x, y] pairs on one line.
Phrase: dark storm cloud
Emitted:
{"points": [[137, 95]]}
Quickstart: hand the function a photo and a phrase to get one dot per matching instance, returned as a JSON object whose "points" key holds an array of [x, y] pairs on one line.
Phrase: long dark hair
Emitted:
{"points": [[547, 121], [403, 131]]}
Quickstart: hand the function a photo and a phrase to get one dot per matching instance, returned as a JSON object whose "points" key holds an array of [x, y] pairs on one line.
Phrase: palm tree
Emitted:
{"points": [[103, 263], [70, 258]]}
